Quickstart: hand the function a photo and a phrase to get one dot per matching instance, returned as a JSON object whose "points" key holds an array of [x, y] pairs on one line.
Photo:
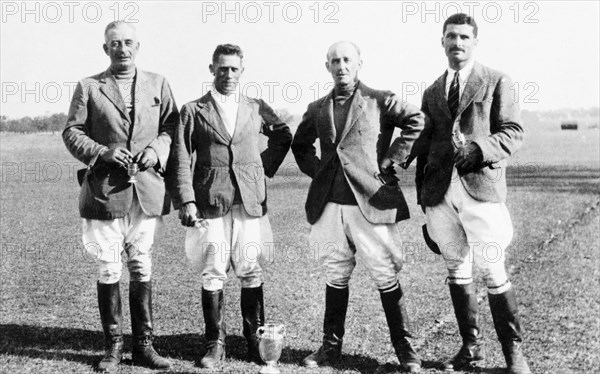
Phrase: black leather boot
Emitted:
{"points": [[140, 304], [253, 316], [214, 320], [336, 305], [397, 319], [109, 303], [506, 321], [464, 300]]}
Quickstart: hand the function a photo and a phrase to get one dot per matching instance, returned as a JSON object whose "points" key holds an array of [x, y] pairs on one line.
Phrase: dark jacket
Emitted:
{"points": [[372, 119]]}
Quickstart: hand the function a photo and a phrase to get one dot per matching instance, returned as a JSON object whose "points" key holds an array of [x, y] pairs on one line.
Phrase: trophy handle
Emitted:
{"points": [[260, 331], [282, 330]]}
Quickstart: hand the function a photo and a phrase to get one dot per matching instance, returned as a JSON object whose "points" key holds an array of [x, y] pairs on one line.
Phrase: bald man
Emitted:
{"points": [[353, 203], [123, 116]]}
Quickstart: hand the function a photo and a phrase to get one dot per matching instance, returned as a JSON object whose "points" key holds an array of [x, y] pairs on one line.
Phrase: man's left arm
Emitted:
{"points": [[411, 122], [169, 118], [505, 124], [280, 139]]}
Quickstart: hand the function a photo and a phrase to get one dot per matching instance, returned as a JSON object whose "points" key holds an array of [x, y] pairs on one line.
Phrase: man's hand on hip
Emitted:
{"points": [[146, 159]]}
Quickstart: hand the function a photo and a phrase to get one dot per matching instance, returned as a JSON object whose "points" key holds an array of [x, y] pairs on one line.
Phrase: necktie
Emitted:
{"points": [[454, 95]]}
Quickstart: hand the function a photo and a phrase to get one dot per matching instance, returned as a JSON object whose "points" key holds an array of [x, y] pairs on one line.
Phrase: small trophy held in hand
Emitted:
{"points": [[270, 345], [132, 170], [458, 139]]}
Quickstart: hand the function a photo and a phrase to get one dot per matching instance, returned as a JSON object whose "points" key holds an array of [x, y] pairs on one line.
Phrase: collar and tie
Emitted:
{"points": [[454, 95]]}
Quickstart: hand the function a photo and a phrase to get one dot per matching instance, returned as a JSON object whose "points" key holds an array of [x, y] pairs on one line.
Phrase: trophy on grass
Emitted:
{"points": [[132, 170], [270, 344]]}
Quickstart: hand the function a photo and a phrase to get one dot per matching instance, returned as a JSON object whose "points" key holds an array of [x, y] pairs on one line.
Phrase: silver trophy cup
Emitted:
{"points": [[270, 343], [132, 170]]}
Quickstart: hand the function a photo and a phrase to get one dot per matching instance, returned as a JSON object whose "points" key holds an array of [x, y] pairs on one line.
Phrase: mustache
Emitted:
{"points": [[456, 49]]}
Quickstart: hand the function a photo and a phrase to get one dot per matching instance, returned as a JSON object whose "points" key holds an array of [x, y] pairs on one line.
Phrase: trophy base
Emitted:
{"points": [[269, 370]]}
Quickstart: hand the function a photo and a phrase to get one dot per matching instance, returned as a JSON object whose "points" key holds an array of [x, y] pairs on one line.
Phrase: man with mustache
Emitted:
{"points": [[353, 204], [473, 126], [121, 117], [223, 199]]}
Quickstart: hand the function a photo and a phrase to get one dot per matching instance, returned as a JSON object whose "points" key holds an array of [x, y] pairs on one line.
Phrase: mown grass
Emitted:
{"points": [[49, 321]]}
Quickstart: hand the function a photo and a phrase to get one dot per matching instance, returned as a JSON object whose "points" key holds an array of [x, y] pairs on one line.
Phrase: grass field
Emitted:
{"points": [[49, 321]]}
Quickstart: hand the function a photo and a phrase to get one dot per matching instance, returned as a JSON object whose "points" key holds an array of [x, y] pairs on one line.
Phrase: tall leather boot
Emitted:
{"points": [[253, 316], [109, 303], [140, 304], [464, 300], [506, 321], [336, 305], [397, 319], [214, 320]]}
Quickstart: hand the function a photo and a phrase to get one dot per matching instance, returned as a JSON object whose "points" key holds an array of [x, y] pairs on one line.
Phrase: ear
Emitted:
{"points": [[442, 40], [211, 69], [105, 48], [327, 66], [360, 62], [475, 42]]}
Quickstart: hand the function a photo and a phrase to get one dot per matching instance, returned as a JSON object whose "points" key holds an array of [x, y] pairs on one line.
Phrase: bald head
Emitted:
{"points": [[345, 45], [343, 63]]}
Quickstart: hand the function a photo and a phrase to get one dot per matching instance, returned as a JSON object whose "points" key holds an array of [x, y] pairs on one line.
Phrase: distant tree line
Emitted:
{"points": [[54, 123]]}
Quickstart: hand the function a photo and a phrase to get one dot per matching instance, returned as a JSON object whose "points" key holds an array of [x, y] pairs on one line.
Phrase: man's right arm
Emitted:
{"points": [[76, 137], [303, 147], [420, 150], [179, 170]]}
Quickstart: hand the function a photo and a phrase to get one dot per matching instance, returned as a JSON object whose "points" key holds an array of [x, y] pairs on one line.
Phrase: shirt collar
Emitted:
{"points": [[463, 74], [222, 99]]}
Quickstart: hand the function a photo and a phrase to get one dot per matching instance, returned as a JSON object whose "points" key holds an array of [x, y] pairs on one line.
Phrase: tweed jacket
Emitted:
{"points": [[98, 119], [208, 164], [489, 116], [365, 140]]}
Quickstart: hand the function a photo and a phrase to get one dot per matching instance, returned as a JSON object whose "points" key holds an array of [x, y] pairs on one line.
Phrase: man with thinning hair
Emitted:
{"points": [[474, 126], [223, 198], [122, 117], [353, 203]]}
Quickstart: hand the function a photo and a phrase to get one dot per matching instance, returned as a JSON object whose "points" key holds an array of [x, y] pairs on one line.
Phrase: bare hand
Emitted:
{"points": [[146, 159], [188, 214], [118, 156], [467, 158]]}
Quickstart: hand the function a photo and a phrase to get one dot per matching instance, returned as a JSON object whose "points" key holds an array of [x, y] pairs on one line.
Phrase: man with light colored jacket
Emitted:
{"points": [[120, 117]]}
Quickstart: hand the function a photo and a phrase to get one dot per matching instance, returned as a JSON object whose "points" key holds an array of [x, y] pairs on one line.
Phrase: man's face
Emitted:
{"points": [[121, 45], [343, 62], [227, 71], [459, 42]]}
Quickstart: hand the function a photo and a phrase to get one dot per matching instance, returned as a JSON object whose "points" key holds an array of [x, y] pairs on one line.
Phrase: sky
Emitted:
{"points": [[550, 49]]}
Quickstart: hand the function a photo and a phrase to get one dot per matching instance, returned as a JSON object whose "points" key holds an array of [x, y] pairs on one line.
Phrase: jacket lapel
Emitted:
{"points": [[110, 89], [473, 85], [326, 113], [141, 89], [439, 93], [208, 110], [356, 108], [243, 117]]}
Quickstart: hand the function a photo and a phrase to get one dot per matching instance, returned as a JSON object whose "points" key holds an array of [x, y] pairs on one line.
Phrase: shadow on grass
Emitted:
{"points": [[50, 343], [73, 344]]}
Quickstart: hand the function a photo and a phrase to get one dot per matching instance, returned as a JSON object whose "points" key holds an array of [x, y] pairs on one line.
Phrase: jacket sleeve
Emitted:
{"points": [[75, 135], [279, 139], [179, 171], [505, 124], [303, 147], [410, 120], [420, 149], [169, 117]]}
